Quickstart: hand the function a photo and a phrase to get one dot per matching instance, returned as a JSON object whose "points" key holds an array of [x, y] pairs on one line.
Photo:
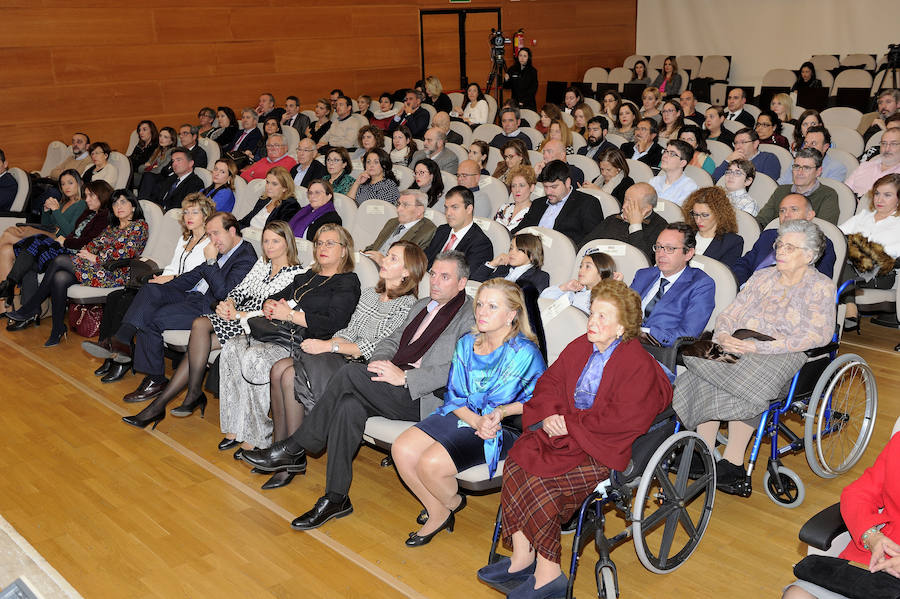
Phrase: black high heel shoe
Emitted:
{"points": [[417, 541], [54, 338], [17, 324], [186, 409], [423, 515], [8, 291], [142, 421]]}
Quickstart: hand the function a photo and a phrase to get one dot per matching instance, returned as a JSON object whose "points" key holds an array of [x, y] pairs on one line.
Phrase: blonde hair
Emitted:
{"points": [[283, 176], [283, 230], [512, 293], [564, 132], [346, 241], [785, 100], [206, 206]]}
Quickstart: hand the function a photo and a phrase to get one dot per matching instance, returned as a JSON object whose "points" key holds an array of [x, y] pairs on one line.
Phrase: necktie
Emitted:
{"points": [[399, 230], [663, 283], [450, 243], [391, 239], [240, 139]]}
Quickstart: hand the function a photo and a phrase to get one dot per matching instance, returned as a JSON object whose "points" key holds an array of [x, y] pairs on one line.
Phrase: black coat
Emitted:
{"points": [[651, 158], [284, 212], [524, 84], [475, 245], [580, 214], [316, 170], [327, 303], [169, 198], [249, 142], [533, 276]]}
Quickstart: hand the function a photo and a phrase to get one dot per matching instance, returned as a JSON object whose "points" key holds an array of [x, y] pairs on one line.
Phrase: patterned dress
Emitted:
{"points": [[383, 190], [113, 243]]}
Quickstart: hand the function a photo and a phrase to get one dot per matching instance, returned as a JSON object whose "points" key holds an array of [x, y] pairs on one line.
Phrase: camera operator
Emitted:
{"points": [[522, 79]]}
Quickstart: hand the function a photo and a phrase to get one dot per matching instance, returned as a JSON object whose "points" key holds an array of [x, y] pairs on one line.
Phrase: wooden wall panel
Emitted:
{"points": [[167, 61]]}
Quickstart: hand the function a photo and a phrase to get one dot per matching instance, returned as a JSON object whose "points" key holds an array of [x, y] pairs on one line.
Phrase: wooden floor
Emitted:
{"points": [[125, 513]]}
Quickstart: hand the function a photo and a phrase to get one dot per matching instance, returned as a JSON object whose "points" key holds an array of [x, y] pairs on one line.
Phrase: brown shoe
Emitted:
{"points": [[147, 390], [120, 352]]}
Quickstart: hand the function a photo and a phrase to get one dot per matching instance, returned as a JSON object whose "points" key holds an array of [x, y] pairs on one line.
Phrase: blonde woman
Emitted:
{"points": [[277, 203], [783, 107]]}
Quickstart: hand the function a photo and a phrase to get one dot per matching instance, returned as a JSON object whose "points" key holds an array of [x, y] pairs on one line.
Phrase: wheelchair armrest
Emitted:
{"points": [[820, 530], [821, 351]]}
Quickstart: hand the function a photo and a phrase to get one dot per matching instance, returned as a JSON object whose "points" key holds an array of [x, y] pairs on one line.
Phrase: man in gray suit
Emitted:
{"points": [[293, 117], [410, 225], [435, 140], [400, 382]]}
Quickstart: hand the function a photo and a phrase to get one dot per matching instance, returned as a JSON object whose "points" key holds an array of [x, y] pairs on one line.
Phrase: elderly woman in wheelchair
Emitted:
{"points": [[779, 314], [602, 393]]}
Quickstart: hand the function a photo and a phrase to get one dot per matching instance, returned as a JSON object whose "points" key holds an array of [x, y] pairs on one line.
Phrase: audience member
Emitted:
{"points": [[368, 138], [549, 112], [205, 119], [818, 138], [650, 104], [520, 181], [434, 148], [644, 147], [581, 115], [460, 233], [266, 108], [522, 79], [409, 225], [441, 120], [221, 190], [378, 181], [339, 166], [248, 137], [428, 179], [693, 136], [746, 147], [807, 169], [736, 100], [672, 183], [382, 116], [413, 115], [892, 122], [183, 181], [277, 203], [712, 217], [594, 267], [320, 211], [510, 122], [479, 152], [148, 141], [276, 155], [435, 96], [738, 178], [475, 109], [637, 224], [79, 159], [469, 176], [783, 107], [596, 129], [668, 81], [271, 126], [689, 107], [873, 122], [614, 176], [808, 118], [514, 154], [572, 98], [344, 130], [403, 147], [555, 150], [806, 78], [676, 299], [558, 131], [768, 127], [672, 120], [308, 168], [522, 264], [639, 73], [886, 163], [322, 124], [713, 128], [9, 187], [611, 103], [102, 169], [188, 137], [293, 117], [226, 130]]}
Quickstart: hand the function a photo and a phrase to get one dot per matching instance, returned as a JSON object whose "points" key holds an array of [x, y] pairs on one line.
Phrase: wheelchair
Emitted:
{"points": [[667, 503], [837, 399]]}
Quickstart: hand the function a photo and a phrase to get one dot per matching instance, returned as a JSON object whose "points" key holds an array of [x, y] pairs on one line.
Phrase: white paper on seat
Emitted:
{"points": [[556, 308], [697, 264], [374, 209], [616, 249]]}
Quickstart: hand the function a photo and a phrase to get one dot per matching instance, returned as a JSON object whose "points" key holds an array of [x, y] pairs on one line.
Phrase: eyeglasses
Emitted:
{"points": [[672, 153], [735, 172], [460, 175], [788, 248], [328, 244], [669, 249], [743, 142], [332, 160], [703, 215], [890, 144], [802, 167], [422, 173], [668, 111], [758, 125]]}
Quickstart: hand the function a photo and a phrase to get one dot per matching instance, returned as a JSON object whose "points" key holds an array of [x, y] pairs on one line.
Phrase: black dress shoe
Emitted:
{"points": [[415, 540], [104, 368], [324, 510], [276, 458], [98, 349], [120, 352], [227, 443], [148, 389], [116, 372], [278, 480], [423, 515]]}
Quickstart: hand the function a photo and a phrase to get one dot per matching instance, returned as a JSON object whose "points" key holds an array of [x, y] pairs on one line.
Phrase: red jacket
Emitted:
{"points": [[878, 487], [632, 392]]}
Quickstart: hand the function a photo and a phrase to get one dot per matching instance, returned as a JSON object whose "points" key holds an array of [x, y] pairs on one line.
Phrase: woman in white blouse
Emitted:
{"points": [[520, 181], [475, 110]]}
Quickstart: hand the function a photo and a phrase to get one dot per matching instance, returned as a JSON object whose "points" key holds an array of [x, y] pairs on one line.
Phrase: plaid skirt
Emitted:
{"points": [[538, 506], [711, 390], [43, 248]]}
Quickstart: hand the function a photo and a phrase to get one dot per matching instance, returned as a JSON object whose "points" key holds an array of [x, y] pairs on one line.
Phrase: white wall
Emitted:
{"points": [[764, 34]]}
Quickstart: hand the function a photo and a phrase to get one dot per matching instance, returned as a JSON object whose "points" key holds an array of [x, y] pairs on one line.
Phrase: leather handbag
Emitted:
{"points": [[278, 332], [85, 319], [708, 349]]}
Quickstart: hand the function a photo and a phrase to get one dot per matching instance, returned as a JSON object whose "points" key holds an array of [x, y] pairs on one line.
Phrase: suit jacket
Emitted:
{"points": [[454, 138], [749, 262], [580, 214], [744, 118], [285, 211], [220, 280], [651, 158], [604, 145], [199, 156], [533, 276], [417, 122], [301, 123], [617, 228], [315, 171], [725, 248], [475, 245], [250, 142], [433, 373], [673, 87], [446, 160], [684, 309], [169, 198], [420, 234]]}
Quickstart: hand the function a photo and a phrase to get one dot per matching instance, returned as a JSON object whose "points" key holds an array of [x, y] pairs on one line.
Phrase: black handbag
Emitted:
{"points": [[278, 332]]}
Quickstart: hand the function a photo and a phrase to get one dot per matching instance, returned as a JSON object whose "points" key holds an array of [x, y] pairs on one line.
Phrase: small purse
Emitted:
{"points": [[85, 319], [278, 332], [707, 349]]}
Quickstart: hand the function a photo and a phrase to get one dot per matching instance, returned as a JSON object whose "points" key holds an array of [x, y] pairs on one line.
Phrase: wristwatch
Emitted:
{"points": [[335, 347]]}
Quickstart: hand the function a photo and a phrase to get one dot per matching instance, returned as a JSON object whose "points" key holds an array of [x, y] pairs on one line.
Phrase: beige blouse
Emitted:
{"points": [[799, 317]]}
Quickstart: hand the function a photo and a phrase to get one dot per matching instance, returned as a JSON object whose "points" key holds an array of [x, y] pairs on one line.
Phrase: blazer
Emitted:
{"points": [[604, 145], [328, 305], [199, 156], [725, 248], [684, 309], [417, 122], [421, 234], [285, 211], [744, 118], [619, 190], [745, 266], [673, 87], [725, 136], [434, 371], [315, 171], [617, 228], [651, 158], [533, 276], [475, 245], [9, 187], [580, 214], [169, 198], [250, 142], [301, 123], [446, 160], [220, 280]]}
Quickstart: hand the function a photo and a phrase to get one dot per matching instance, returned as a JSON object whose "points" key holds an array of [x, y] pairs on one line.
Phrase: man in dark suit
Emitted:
{"points": [[266, 108], [597, 128], [293, 117], [435, 142], [175, 305], [677, 300], [400, 381], [441, 120], [644, 147], [689, 108], [410, 225], [510, 121], [736, 100], [413, 116], [173, 189], [307, 169], [249, 137], [572, 213], [460, 233], [187, 138], [638, 224], [793, 206]]}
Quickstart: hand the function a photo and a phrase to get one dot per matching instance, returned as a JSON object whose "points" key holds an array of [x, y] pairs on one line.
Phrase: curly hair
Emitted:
{"points": [[377, 133], [524, 171], [627, 303], [206, 206], [719, 206]]}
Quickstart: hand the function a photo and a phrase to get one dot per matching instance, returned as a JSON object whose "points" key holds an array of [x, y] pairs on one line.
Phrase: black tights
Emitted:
{"points": [[59, 277], [190, 370], [287, 412]]}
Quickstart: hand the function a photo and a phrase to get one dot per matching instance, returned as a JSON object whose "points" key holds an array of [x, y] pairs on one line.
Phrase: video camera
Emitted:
{"points": [[498, 42]]}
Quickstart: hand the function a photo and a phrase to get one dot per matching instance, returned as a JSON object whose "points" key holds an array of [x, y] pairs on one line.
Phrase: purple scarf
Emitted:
{"points": [[306, 216]]}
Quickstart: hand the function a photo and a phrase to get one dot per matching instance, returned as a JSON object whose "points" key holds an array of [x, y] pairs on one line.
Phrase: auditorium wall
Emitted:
{"points": [[100, 66]]}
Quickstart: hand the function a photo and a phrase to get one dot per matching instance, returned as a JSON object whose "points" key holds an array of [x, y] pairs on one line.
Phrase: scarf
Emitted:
{"points": [[409, 352], [306, 216], [385, 115]]}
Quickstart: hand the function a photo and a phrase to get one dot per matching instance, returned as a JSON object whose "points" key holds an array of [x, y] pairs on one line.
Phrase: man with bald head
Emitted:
{"points": [[469, 176], [556, 150], [435, 140], [276, 155], [307, 169], [637, 224], [441, 120], [793, 206]]}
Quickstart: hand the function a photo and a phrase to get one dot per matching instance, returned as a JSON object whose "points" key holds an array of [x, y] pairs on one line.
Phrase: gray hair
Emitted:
{"points": [[811, 154], [252, 112], [814, 238], [462, 267], [420, 196], [279, 136]]}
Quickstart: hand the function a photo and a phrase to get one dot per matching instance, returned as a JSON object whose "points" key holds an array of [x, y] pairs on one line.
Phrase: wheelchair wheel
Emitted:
{"points": [[670, 511], [840, 416], [792, 491], [606, 584]]}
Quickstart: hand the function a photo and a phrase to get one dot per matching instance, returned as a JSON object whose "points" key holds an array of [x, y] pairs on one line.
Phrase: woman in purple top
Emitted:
{"points": [[319, 211]]}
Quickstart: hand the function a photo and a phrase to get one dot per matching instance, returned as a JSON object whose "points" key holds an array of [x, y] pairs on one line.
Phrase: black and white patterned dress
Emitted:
{"points": [[250, 294]]}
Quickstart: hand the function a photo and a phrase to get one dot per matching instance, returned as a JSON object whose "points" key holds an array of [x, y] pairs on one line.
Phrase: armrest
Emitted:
{"points": [[820, 351], [820, 530]]}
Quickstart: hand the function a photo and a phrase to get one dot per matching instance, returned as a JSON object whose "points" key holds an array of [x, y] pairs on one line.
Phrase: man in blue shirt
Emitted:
{"points": [[819, 138], [746, 146]]}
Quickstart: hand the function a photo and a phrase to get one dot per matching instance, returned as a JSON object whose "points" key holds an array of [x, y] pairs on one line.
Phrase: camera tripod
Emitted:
{"points": [[496, 77]]}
